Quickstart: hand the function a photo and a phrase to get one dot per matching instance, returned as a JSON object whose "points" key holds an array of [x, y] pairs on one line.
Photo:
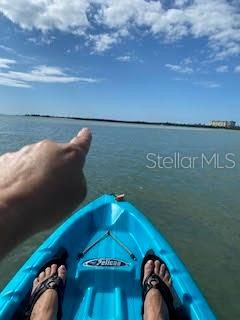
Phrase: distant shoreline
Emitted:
{"points": [[170, 124]]}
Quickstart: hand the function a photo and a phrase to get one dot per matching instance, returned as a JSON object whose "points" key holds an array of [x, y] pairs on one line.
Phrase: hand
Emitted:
{"points": [[40, 185]]}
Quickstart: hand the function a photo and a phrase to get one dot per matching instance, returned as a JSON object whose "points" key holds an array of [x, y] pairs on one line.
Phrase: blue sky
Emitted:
{"points": [[169, 60]]}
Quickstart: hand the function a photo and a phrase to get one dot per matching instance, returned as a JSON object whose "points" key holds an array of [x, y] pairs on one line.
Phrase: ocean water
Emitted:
{"points": [[195, 203]]}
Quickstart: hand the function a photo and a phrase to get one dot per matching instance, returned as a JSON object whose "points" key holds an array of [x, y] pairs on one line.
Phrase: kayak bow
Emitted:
{"points": [[105, 242]]}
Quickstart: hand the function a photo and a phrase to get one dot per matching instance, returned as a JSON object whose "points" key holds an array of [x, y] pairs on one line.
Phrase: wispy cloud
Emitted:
{"points": [[125, 58], [40, 74], [222, 69], [77, 48], [208, 84], [187, 61], [179, 68], [42, 40], [237, 69], [129, 58], [217, 21], [7, 49], [17, 55], [201, 83], [6, 63], [4, 81], [180, 79]]}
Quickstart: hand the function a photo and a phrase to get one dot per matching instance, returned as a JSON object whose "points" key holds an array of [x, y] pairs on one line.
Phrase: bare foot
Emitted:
{"points": [[155, 307], [46, 306]]}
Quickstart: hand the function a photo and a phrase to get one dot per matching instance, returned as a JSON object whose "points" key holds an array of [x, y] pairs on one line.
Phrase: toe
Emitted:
{"points": [[166, 276], [167, 279], [41, 276], [47, 271], [148, 268], [162, 270], [35, 284], [53, 269], [169, 282], [62, 272], [157, 267]]}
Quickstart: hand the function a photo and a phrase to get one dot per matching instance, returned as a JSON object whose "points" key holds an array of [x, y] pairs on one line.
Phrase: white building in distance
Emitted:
{"points": [[223, 124]]}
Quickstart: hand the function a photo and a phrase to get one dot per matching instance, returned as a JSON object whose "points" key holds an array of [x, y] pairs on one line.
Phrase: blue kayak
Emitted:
{"points": [[105, 242]]}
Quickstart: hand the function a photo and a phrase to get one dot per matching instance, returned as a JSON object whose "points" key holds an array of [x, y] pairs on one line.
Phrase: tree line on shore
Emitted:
{"points": [[194, 125]]}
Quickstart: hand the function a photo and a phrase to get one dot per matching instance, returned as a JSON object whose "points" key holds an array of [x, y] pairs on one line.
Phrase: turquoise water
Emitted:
{"points": [[197, 209]]}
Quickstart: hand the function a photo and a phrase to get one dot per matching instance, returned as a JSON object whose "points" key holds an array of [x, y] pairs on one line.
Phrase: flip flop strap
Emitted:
{"points": [[55, 283], [153, 281]]}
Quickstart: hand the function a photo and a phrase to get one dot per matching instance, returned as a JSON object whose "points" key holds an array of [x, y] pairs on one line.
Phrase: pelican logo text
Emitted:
{"points": [[105, 262]]}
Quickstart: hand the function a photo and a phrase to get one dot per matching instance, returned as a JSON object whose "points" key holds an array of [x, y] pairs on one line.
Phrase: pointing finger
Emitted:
{"points": [[83, 139]]}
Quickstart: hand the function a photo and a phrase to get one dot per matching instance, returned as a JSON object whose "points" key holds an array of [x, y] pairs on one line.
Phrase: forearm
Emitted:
{"points": [[15, 227], [24, 212]]}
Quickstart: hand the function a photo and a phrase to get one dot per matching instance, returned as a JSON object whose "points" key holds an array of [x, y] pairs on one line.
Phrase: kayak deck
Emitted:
{"points": [[101, 291], [106, 242]]}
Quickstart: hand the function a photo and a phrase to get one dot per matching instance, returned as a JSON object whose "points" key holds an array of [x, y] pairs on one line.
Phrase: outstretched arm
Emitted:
{"points": [[40, 185]]}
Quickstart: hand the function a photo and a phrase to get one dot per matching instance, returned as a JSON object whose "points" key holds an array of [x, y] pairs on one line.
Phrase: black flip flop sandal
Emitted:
{"points": [[158, 284], [54, 282]]}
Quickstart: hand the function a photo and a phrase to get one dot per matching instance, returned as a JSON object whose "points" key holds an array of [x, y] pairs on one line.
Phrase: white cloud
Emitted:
{"points": [[180, 79], [179, 68], [103, 42], [201, 83], [6, 63], [237, 69], [17, 54], [42, 40], [208, 84], [77, 48], [125, 58], [217, 21], [46, 15], [187, 61], [7, 49], [33, 40], [181, 3], [13, 83], [222, 69], [39, 74], [47, 71]]}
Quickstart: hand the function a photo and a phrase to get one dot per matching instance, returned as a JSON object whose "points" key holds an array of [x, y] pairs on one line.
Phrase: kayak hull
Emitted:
{"points": [[106, 242]]}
